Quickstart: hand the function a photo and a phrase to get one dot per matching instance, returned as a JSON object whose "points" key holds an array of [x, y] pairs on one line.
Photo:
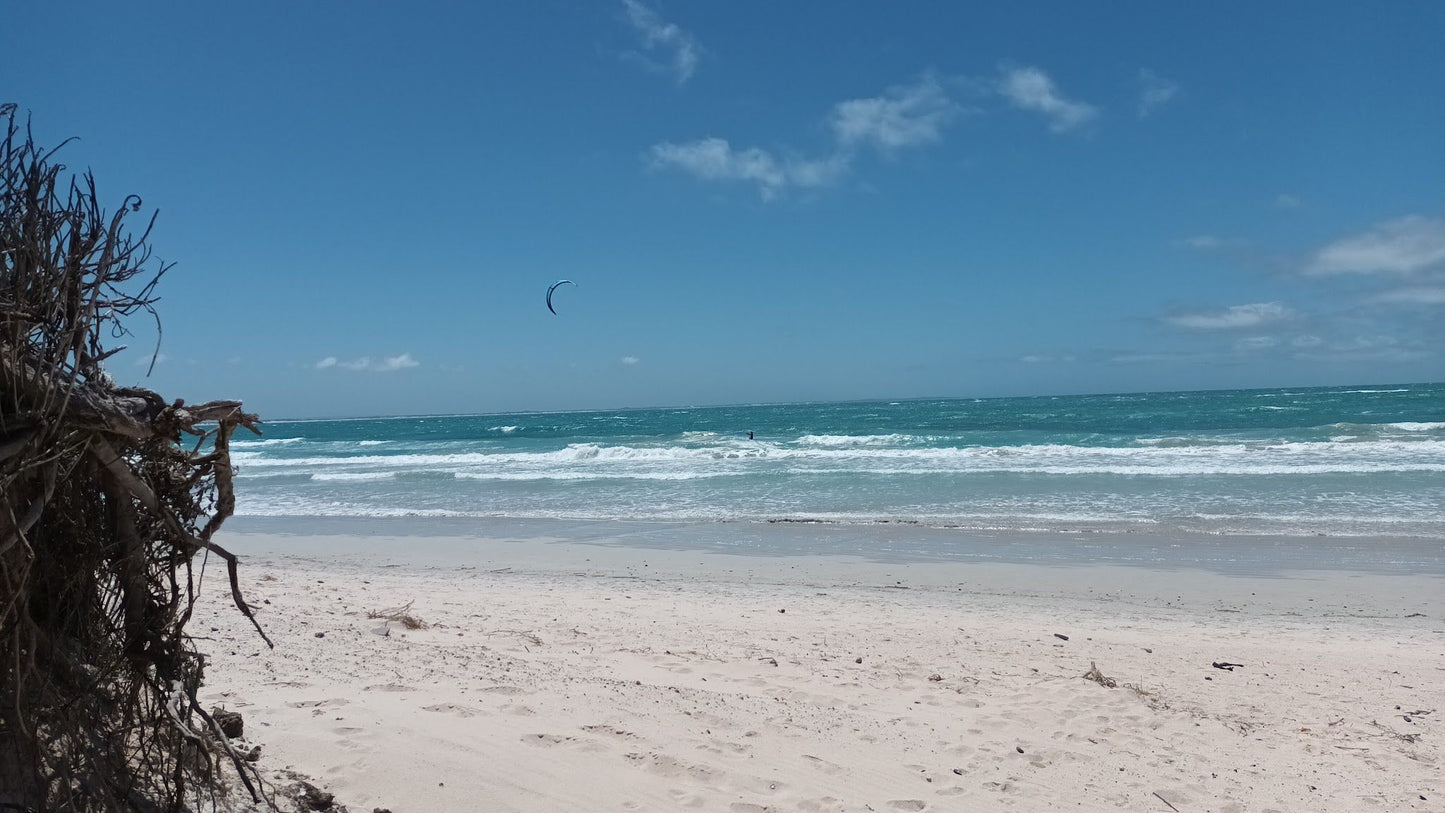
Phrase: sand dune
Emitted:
{"points": [[541, 691]]}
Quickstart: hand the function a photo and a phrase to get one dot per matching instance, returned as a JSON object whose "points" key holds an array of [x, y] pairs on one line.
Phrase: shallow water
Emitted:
{"points": [[1347, 462]]}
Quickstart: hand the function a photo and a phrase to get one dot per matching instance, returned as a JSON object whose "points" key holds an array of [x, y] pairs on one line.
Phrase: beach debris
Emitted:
{"points": [[935, 677], [1415, 615], [1061, 636], [254, 754], [552, 288], [312, 797], [320, 635], [229, 722], [1166, 801], [958, 771], [401, 615], [770, 661], [1099, 677], [1225, 665]]}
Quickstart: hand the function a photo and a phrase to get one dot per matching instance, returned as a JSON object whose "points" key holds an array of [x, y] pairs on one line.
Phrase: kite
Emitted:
{"points": [[553, 288]]}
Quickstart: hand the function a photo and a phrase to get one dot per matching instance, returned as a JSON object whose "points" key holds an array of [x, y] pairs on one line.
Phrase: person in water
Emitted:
{"points": [[750, 436]]}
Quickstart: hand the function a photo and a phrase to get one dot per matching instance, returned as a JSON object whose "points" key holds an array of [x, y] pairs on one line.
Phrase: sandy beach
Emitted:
{"points": [[568, 676]]}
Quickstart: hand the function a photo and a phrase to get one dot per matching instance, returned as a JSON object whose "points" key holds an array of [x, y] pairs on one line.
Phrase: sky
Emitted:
{"points": [[367, 201]]}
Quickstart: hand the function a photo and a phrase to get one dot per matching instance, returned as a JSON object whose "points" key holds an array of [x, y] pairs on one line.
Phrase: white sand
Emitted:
{"points": [[666, 681]]}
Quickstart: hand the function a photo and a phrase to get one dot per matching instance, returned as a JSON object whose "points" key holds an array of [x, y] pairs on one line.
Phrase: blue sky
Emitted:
{"points": [[759, 201]]}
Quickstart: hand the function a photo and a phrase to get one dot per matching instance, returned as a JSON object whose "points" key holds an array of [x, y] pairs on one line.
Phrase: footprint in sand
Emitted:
{"points": [[319, 704], [508, 690], [823, 765], [454, 709], [908, 804], [389, 687], [610, 731]]}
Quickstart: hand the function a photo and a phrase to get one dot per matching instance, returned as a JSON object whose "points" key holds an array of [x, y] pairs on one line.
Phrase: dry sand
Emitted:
{"points": [[671, 681]]}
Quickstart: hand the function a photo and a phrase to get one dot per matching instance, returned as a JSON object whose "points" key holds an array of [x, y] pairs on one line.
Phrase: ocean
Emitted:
{"points": [[1337, 462]]}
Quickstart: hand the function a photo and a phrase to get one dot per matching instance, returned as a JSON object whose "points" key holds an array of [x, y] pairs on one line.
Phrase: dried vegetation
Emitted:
{"points": [[109, 500]]}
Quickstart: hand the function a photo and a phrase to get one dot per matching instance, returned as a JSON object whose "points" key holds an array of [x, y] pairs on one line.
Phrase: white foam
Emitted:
{"points": [[1373, 391], [246, 444], [1157, 456], [853, 440]]}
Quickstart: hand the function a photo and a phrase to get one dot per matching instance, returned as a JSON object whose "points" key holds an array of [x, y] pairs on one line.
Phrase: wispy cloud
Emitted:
{"points": [[679, 49], [1418, 295], [159, 359], [1377, 348], [1284, 201], [388, 364], [1029, 88], [904, 116], [393, 363], [630, 360], [1252, 344], [714, 159], [1401, 246], [1203, 242], [1162, 358], [1236, 317], [1154, 92], [1045, 359]]}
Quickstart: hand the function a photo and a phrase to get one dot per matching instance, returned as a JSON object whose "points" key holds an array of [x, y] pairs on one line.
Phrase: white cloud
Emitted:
{"points": [[1154, 92], [904, 116], [1044, 359], [389, 364], [659, 35], [630, 360], [1400, 246], [713, 159], [1306, 341], [1252, 343], [1420, 295], [1232, 318], [1286, 201], [393, 363], [159, 359], [1030, 88]]}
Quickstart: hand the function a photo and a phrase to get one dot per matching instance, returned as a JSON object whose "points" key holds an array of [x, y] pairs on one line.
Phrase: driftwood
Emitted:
{"points": [[106, 518]]}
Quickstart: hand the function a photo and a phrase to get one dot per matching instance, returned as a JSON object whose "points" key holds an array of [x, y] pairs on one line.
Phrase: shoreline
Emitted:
{"points": [[597, 675], [452, 539]]}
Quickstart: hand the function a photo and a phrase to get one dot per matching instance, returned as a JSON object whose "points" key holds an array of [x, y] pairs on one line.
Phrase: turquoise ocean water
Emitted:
{"points": [[1342, 462]]}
